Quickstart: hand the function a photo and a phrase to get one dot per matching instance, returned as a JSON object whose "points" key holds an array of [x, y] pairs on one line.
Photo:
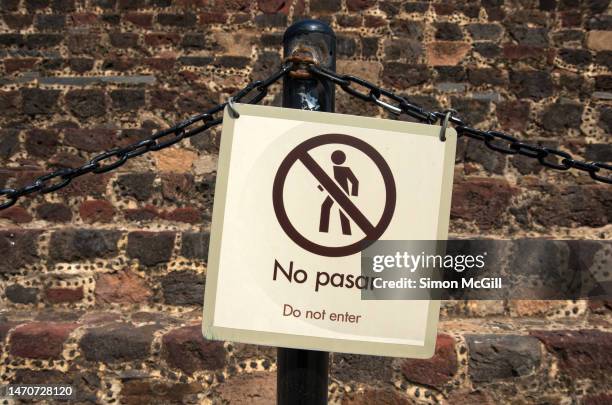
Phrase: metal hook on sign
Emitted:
{"points": [[231, 108], [447, 116]]}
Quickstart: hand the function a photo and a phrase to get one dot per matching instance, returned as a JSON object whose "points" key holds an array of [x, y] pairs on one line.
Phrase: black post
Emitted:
{"points": [[302, 375]]}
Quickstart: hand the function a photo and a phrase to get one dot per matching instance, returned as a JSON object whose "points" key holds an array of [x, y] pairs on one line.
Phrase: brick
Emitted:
{"points": [[161, 64], [177, 20], [274, 6], [139, 19], [361, 369], [187, 350], [86, 103], [16, 214], [580, 354], [137, 185], [9, 5], [123, 39], [150, 248], [63, 6], [81, 65], [561, 116], [446, 53], [531, 84], [25, 341], [373, 395], [487, 49], [587, 205], [88, 19], [513, 115], [183, 288], [271, 20], [123, 287], [195, 245], [325, 6], [447, 31], [64, 295], [603, 83], [54, 212], [484, 31], [42, 40], [221, 18], [409, 29], [468, 396], [137, 391], [17, 65], [86, 384], [258, 388], [41, 142], [243, 352], [90, 139], [579, 57], [196, 41], [605, 119], [482, 200], [82, 244], [238, 62], [346, 46], [437, 371], [536, 37], [92, 211], [188, 215], [18, 248], [374, 21], [404, 75], [148, 213], [9, 102], [11, 40], [128, 99], [117, 342], [494, 357], [359, 5], [38, 101], [9, 143], [18, 21], [452, 74], [175, 160], [601, 152], [54, 22], [599, 40], [84, 43], [486, 76], [471, 110], [21, 295], [398, 48]]}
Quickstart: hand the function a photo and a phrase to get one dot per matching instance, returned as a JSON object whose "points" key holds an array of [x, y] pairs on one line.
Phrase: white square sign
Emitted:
{"points": [[299, 195]]}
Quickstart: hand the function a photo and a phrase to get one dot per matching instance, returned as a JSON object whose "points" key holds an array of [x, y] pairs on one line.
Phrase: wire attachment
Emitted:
{"points": [[447, 116], [231, 108]]}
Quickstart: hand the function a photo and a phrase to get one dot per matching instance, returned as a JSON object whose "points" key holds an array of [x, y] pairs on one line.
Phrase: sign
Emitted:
{"points": [[299, 196]]}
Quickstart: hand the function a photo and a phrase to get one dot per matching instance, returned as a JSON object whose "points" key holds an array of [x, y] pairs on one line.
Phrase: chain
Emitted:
{"points": [[117, 157], [494, 140]]}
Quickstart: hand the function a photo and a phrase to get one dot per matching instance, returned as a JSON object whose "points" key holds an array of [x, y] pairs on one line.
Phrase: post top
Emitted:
{"points": [[308, 27]]}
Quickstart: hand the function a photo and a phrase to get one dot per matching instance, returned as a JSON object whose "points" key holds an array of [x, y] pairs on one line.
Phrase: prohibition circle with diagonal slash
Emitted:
{"points": [[372, 232]]}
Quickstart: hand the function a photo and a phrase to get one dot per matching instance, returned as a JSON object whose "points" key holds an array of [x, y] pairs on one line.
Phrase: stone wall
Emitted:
{"points": [[101, 284]]}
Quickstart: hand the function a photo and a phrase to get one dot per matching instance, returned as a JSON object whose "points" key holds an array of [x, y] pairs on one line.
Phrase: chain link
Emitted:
{"points": [[494, 140], [254, 92], [251, 94]]}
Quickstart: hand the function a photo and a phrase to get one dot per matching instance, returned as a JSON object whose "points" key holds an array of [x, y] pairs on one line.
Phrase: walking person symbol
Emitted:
{"points": [[343, 175]]}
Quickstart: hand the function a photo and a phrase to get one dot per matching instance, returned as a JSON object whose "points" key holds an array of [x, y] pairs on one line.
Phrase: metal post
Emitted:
{"points": [[302, 375]]}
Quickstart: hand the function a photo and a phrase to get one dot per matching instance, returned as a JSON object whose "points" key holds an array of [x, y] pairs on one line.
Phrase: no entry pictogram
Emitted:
{"points": [[372, 231]]}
